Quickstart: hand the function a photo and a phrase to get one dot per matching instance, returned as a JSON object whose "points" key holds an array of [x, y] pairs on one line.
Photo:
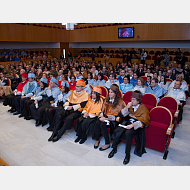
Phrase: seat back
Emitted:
{"points": [[91, 86], [104, 91], [105, 78], [127, 97], [149, 100], [120, 94], [144, 77], [9, 82], [160, 120], [169, 80], [169, 102]]}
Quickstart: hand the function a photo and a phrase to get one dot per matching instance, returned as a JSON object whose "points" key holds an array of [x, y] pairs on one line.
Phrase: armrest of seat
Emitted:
{"points": [[176, 114], [169, 130]]}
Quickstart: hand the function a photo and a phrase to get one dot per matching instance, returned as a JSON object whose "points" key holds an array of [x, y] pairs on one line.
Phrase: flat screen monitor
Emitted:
{"points": [[127, 32]]}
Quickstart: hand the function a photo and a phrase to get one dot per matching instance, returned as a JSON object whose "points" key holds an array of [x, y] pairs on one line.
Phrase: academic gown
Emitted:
{"points": [[84, 126]]}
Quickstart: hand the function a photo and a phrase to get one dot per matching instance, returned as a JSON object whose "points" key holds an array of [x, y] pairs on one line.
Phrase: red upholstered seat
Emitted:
{"points": [[91, 86], [144, 77], [149, 100], [105, 78], [127, 97], [169, 80], [120, 94], [158, 133], [170, 103], [104, 91]]}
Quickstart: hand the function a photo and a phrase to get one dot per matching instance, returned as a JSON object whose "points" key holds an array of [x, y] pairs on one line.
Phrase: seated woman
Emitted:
{"points": [[140, 86], [100, 81], [72, 83], [4, 89], [90, 79], [38, 96], [112, 105], [91, 111], [57, 106], [65, 79], [163, 82]]}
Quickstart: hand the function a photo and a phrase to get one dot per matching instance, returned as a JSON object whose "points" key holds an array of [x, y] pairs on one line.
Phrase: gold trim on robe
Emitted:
{"points": [[75, 98], [142, 114], [108, 108], [92, 107]]}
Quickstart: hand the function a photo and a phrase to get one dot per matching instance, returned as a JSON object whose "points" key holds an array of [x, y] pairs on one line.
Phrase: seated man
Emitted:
{"points": [[78, 75], [72, 110], [9, 100], [121, 77], [148, 81], [38, 108], [184, 85], [28, 89], [112, 80], [60, 73], [133, 81], [4, 89], [126, 86], [136, 117], [155, 89], [179, 95]]}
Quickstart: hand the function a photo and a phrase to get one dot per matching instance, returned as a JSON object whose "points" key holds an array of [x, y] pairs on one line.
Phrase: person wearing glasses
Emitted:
{"points": [[72, 110]]}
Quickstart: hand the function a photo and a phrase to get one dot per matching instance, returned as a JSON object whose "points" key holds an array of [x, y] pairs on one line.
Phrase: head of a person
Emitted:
{"points": [[155, 75], [53, 82], [122, 73], [77, 74], [169, 72], [44, 75], [163, 79], [22, 71], [140, 82], [135, 76], [112, 76], [136, 97], [177, 85], [73, 78], [79, 85], [31, 77], [179, 78], [64, 88], [126, 79], [160, 73], [96, 92], [53, 74], [43, 82], [74, 69], [154, 82], [89, 75], [130, 73], [104, 69], [113, 94], [82, 69], [24, 76], [100, 76], [148, 79], [60, 72]]}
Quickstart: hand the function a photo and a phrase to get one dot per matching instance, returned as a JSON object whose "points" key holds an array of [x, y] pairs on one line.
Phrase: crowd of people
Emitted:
{"points": [[140, 54], [57, 93], [17, 55]]}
